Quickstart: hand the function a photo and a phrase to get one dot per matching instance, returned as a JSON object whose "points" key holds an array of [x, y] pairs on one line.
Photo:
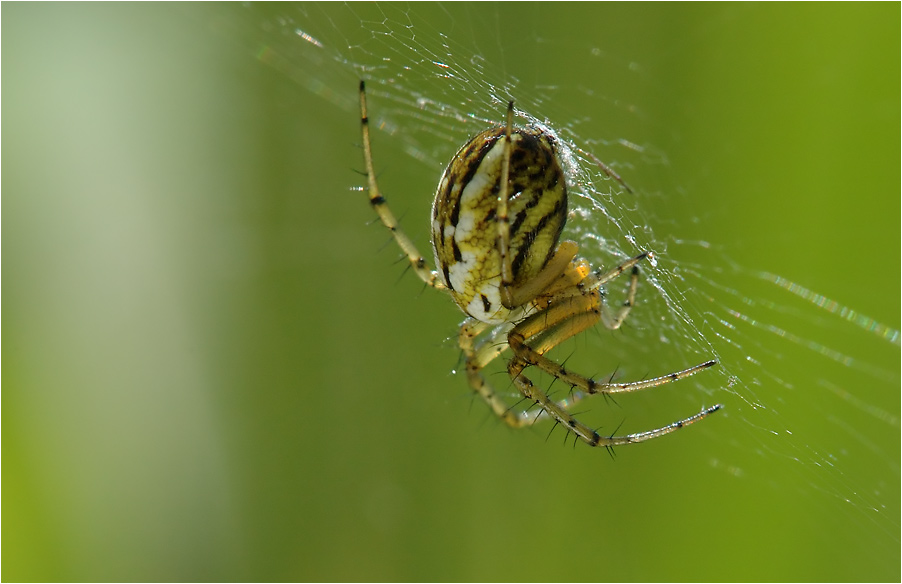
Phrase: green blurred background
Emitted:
{"points": [[212, 372]]}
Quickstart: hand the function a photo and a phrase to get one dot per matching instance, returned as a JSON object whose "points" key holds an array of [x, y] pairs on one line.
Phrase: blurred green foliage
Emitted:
{"points": [[211, 372]]}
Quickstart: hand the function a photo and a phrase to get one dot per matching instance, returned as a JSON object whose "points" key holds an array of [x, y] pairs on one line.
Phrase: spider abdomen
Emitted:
{"points": [[465, 222]]}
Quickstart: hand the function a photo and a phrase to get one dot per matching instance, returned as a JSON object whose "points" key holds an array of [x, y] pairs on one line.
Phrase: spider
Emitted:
{"points": [[497, 219]]}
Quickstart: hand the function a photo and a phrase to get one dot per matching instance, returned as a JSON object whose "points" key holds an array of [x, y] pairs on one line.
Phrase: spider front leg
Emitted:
{"points": [[377, 201], [566, 317], [562, 320], [585, 433]]}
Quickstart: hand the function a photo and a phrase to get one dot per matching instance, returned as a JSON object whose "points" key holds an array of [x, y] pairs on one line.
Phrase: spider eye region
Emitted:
{"points": [[465, 223]]}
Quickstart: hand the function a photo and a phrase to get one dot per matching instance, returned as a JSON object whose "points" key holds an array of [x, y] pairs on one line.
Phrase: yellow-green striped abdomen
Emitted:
{"points": [[464, 217]]}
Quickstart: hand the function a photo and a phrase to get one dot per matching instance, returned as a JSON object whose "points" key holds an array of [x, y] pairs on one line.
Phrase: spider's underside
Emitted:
{"points": [[497, 218]]}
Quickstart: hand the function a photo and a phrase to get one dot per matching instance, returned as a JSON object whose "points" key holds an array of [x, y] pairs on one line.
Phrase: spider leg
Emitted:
{"points": [[514, 296], [606, 169], [377, 201], [476, 359], [550, 327], [601, 278], [613, 321], [504, 234], [568, 317], [585, 433], [589, 435], [555, 282], [596, 280]]}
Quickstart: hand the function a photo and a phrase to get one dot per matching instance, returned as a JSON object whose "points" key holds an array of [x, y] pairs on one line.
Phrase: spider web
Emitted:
{"points": [[810, 386]]}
